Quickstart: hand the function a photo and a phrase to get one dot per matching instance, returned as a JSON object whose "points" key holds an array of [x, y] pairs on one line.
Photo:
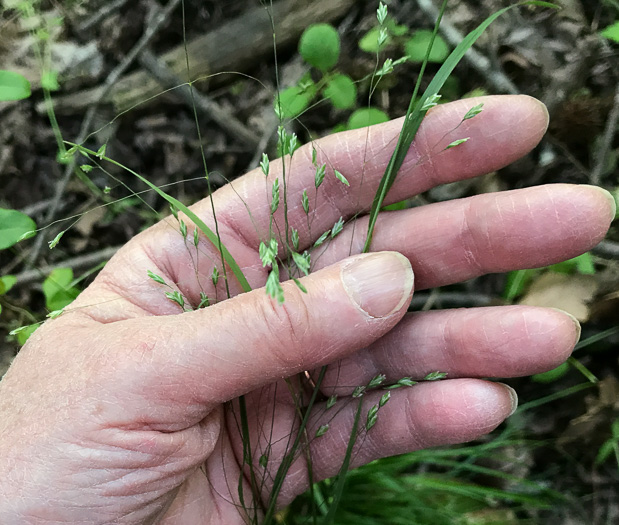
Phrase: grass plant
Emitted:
{"points": [[398, 494]]}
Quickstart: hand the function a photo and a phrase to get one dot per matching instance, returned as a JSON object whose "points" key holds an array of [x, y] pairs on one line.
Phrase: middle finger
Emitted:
{"points": [[453, 241]]}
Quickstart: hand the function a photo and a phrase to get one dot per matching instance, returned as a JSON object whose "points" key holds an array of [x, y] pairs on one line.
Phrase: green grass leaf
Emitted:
{"points": [[14, 225], [13, 86], [416, 114], [178, 205], [583, 264], [320, 46], [516, 283], [551, 375]]}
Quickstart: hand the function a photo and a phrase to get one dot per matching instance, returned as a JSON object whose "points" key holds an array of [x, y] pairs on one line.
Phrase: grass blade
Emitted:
{"points": [[341, 477], [210, 234], [282, 471], [416, 112]]}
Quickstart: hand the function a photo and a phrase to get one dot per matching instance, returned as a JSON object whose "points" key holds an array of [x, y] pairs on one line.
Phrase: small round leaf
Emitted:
{"points": [[342, 92], [417, 47], [13, 225], [320, 46], [6, 283], [23, 335], [366, 117], [13, 86], [57, 289], [294, 101], [369, 41]]}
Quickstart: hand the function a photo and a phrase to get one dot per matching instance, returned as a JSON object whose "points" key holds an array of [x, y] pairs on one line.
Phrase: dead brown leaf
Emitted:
{"points": [[594, 425], [570, 293]]}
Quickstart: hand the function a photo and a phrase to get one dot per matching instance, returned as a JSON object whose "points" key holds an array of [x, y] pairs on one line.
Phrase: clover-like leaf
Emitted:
{"points": [[13, 86], [320, 46], [342, 92], [14, 225]]}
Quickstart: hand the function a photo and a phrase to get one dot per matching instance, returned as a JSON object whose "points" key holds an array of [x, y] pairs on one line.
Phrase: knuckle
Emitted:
{"points": [[288, 326]]}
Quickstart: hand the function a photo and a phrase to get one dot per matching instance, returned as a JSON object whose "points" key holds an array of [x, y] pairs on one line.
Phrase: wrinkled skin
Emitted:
{"points": [[115, 411]]}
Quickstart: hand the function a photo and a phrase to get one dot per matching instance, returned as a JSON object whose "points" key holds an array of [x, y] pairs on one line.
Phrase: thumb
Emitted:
{"points": [[235, 346]]}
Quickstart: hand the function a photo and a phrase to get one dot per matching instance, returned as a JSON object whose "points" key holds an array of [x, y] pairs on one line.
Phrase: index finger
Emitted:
{"points": [[507, 128]]}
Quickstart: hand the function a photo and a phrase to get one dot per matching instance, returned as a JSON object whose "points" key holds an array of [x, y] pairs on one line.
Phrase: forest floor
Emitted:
{"points": [[114, 59]]}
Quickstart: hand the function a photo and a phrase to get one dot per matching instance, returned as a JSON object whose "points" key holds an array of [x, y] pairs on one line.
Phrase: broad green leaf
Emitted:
{"points": [[13, 86], [611, 32], [13, 226], [293, 102], [369, 41], [23, 333], [320, 46], [366, 117], [418, 44], [342, 92], [58, 290], [6, 283]]}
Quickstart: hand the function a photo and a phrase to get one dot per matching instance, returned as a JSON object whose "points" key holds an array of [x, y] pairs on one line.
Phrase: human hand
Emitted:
{"points": [[117, 411]]}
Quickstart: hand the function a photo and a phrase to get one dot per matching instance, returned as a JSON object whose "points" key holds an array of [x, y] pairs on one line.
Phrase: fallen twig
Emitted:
{"points": [[607, 250], [607, 141], [204, 104], [452, 300], [76, 263], [218, 51], [101, 13]]}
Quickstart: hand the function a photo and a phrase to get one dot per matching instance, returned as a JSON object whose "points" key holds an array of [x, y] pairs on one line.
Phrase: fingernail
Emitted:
{"points": [[544, 109], [608, 195], [379, 283], [574, 320], [513, 397]]}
